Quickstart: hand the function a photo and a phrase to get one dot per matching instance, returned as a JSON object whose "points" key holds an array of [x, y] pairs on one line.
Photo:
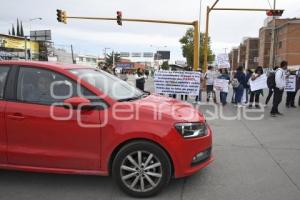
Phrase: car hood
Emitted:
{"points": [[170, 108]]}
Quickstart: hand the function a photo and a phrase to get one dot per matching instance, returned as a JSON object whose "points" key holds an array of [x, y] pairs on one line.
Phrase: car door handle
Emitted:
{"points": [[16, 116]]}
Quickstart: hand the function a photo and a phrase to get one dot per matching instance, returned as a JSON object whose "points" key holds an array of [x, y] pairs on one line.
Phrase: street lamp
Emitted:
{"points": [[30, 20]]}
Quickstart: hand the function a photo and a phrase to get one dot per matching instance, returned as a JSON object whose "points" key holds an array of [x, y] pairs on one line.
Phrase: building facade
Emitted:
{"points": [[252, 53], [233, 57], [242, 55], [286, 43]]}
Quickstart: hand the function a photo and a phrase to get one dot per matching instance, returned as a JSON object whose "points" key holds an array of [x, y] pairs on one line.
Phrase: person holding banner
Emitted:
{"points": [[254, 95], [291, 90], [223, 93]]}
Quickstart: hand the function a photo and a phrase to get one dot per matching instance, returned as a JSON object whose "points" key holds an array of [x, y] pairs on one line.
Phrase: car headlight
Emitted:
{"points": [[191, 130]]}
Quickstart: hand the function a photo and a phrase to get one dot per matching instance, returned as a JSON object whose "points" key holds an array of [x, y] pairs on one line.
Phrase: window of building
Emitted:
{"points": [[280, 45]]}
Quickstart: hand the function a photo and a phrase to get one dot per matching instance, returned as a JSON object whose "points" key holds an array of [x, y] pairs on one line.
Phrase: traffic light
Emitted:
{"points": [[119, 18], [61, 16], [274, 13]]}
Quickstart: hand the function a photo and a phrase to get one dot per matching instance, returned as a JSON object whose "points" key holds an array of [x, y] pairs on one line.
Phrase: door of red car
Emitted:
{"points": [[42, 133], [3, 76]]}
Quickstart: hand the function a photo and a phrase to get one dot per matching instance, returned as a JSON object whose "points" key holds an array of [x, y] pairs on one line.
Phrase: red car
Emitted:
{"points": [[79, 120]]}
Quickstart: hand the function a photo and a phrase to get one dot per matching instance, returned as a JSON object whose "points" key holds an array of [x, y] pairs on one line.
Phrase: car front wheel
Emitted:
{"points": [[141, 169]]}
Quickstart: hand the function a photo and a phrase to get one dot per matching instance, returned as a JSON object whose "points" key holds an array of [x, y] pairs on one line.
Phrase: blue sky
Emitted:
{"points": [[227, 29]]}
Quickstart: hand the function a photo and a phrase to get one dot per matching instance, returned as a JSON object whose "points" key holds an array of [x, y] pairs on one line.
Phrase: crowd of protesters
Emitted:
{"points": [[242, 95]]}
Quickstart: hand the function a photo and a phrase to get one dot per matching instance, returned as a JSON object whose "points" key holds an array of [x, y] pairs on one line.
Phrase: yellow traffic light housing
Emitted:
{"points": [[119, 18], [61, 16]]}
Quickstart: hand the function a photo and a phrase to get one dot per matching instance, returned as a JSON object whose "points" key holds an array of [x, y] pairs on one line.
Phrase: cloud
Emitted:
{"points": [[117, 37]]}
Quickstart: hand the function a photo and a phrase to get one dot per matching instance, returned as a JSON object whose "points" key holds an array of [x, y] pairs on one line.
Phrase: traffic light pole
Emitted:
{"points": [[195, 24], [272, 49], [205, 64]]}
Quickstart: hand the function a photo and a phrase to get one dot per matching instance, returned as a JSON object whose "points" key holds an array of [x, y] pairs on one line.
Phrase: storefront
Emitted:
{"points": [[13, 47]]}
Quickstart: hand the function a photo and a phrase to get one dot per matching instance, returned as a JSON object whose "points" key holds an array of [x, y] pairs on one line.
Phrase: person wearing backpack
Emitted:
{"points": [[271, 84], [280, 81], [249, 74]]}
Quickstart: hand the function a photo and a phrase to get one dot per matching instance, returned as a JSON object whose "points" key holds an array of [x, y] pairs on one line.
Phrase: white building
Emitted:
{"points": [[87, 60]]}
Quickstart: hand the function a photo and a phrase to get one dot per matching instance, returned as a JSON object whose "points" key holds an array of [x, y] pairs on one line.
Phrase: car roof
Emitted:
{"points": [[44, 64]]}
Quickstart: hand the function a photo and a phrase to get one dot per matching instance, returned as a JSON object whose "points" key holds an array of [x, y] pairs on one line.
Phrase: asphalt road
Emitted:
{"points": [[254, 160]]}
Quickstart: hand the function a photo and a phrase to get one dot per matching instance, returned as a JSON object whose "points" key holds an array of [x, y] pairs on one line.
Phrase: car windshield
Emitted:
{"points": [[109, 84]]}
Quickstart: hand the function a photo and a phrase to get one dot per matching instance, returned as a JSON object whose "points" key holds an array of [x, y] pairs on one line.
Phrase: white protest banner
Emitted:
{"points": [[223, 61], [290, 84], [259, 83], [221, 85], [177, 82]]}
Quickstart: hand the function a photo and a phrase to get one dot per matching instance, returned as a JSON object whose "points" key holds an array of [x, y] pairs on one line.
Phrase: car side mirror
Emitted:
{"points": [[76, 102]]}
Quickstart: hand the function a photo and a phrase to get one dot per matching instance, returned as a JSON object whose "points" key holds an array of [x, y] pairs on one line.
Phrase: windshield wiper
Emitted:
{"points": [[130, 98], [145, 94]]}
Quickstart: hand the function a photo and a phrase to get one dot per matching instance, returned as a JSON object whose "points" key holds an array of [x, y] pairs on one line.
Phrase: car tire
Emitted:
{"points": [[141, 169]]}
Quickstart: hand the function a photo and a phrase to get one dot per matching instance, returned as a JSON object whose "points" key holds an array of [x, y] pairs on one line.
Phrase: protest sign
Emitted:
{"points": [[290, 84], [177, 82], [223, 61], [259, 83], [221, 85]]}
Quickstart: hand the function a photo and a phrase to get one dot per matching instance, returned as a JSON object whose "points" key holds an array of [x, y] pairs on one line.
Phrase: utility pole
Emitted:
{"points": [[25, 51], [225, 50], [72, 52], [30, 20], [113, 55], [272, 49]]}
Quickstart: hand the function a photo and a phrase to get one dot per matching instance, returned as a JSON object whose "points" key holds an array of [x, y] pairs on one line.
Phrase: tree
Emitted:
{"points": [[9, 32], [165, 65], [109, 59], [21, 30], [187, 47], [13, 30], [18, 28]]}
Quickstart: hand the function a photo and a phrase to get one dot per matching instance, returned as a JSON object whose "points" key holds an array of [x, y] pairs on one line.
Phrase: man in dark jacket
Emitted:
{"points": [[240, 76]]}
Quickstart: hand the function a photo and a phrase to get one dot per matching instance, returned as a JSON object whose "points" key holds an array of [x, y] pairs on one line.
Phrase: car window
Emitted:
{"points": [[3, 77], [46, 87], [109, 84]]}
